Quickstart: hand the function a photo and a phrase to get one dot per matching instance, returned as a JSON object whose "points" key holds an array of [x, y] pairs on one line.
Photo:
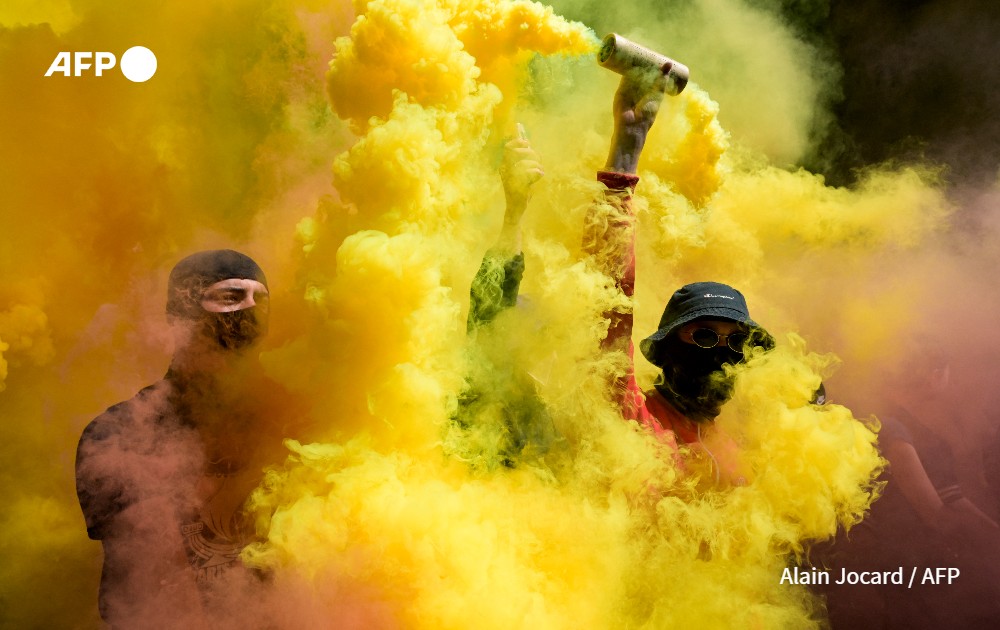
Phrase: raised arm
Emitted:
{"points": [[609, 233], [498, 280], [609, 228], [635, 106]]}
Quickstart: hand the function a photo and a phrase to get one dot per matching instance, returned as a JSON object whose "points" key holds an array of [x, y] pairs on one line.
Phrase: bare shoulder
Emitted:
{"points": [[120, 417]]}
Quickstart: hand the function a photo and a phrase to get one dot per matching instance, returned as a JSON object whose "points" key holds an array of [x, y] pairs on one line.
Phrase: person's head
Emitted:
{"points": [[925, 371], [220, 298], [705, 326]]}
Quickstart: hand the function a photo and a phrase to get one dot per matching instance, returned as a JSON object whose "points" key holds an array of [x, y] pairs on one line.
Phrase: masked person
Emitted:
{"points": [[705, 328], [162, 478]]}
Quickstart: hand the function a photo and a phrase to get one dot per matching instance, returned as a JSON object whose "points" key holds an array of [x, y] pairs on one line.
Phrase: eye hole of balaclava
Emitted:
{"points": [[231, 330]]}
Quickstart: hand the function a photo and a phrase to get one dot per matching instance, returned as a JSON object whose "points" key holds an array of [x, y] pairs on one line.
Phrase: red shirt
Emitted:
{"points": [[609, 236]]}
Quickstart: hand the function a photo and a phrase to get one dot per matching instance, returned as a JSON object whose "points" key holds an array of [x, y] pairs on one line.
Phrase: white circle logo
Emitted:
{"points": [[138, 64]]}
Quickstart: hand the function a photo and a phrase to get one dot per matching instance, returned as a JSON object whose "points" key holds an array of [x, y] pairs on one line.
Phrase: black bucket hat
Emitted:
{"points": [[693, 301]]}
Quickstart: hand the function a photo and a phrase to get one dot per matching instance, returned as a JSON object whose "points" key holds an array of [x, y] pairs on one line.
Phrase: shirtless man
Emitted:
{"points": [[162, 478]]}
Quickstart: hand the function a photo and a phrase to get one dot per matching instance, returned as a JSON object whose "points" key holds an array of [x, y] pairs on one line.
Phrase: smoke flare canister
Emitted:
{"points": [[623, 55]]}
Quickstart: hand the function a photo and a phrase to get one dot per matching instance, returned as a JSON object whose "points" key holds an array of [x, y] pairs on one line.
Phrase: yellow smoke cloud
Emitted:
{"points": [[370, 231], [24, 334], [555, 543]]}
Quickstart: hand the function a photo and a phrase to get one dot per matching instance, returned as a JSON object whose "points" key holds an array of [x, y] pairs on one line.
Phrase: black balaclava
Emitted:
{"points": [[232, 330], [693, 379]]}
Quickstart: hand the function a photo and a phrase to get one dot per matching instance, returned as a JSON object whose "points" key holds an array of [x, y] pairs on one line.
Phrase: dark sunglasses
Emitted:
{"points": [[708, 338]]}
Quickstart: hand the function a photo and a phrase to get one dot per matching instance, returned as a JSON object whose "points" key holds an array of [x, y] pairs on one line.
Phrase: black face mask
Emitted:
{"points": [[235, 330], [693, 379]]}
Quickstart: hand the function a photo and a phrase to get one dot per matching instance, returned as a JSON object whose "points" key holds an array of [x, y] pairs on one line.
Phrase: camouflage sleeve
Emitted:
{"points": [[494, 288]]}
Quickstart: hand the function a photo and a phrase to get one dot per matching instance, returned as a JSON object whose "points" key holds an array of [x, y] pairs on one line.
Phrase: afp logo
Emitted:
{"points": [[138, 64]]}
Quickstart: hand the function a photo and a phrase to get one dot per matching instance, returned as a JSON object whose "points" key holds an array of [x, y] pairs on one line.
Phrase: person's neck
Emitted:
{"points": [[204, 361], [211, 379], [670, 400], [693, 421]]}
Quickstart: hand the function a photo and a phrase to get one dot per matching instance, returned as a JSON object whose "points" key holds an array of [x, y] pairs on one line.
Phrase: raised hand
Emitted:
{"points": [[520, 170], [636, 104]]}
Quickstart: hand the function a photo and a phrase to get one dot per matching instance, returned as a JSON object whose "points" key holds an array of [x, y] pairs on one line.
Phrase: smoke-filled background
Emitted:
{"points": [[836, 161]]}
